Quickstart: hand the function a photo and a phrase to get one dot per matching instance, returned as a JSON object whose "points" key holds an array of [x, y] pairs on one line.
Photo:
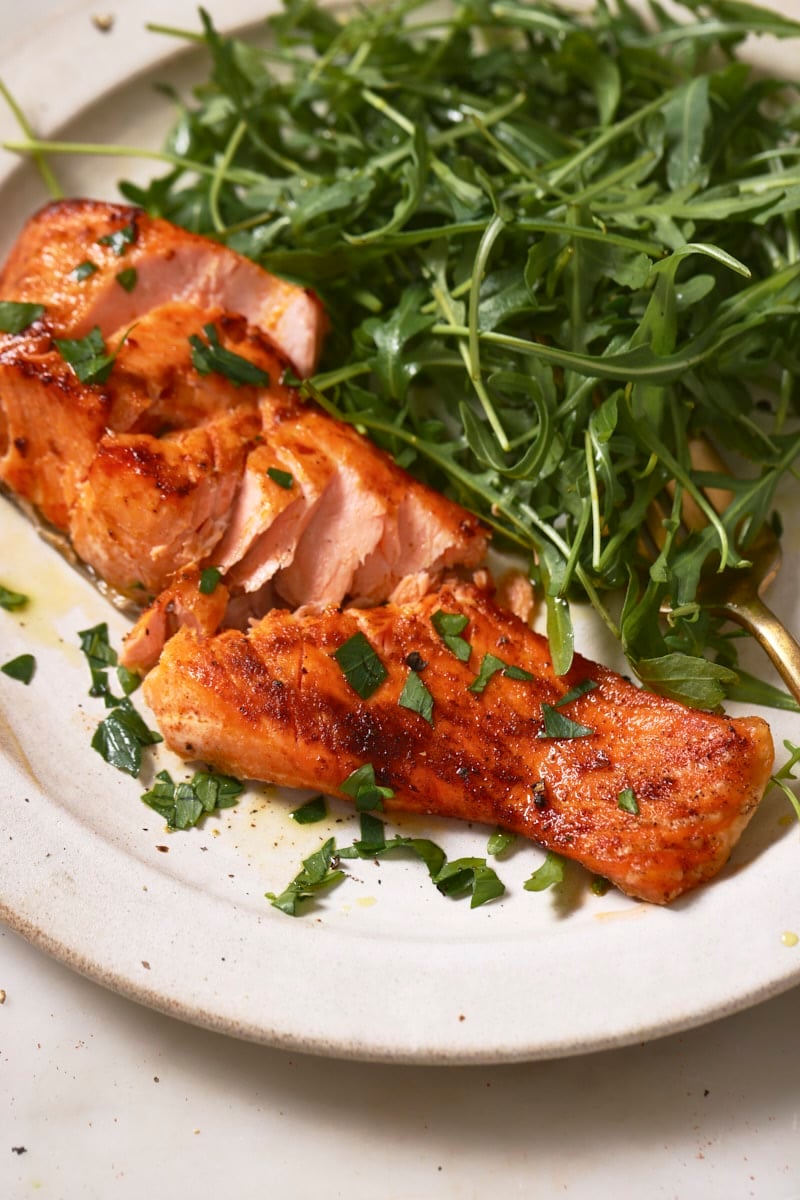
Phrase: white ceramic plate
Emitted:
{"points": [[384, 967]]}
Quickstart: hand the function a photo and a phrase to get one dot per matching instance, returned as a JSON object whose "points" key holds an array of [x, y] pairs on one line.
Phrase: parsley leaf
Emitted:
{"points": [[312, 811], [450, 626], [12, 601], [283, 478], [120, 737], [127, 279], [548, 874], [16, 316], [183, 804], [360, 665], [361, 785], [317, 874], [212, 356], [626, 800], [83, 271], [120, 239], [500, 841], [490, 665], [580, 689], [416, 697], [209, 578], [88, 356], [21, 668], [556, 725], [470, 876]]}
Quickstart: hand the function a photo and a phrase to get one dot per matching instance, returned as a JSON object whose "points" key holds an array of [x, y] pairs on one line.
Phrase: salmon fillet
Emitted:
{"points": [[274, 704], [163, 465]]}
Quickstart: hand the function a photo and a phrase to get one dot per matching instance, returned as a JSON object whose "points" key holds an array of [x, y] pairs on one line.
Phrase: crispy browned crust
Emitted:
{"points": [[273, 704]]}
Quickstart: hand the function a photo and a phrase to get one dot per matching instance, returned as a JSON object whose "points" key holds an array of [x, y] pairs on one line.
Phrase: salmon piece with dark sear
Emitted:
{"points": [[171, 264], [274, 704]]}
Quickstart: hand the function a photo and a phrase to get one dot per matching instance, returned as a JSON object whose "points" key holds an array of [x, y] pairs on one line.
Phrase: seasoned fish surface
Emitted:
{"points": [[167, 463], [274, 704]]}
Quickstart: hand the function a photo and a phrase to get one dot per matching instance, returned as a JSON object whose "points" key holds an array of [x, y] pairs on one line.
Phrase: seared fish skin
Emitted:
{"points": [[274, 704]]}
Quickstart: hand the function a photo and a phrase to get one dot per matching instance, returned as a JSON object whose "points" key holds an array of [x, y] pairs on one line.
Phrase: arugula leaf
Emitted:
{"points": [[450, 626], [212, 356], [317, 874], [12, 601], [549, 874], [21, 668], [360, 665], [16, 315], [556, 725], [416, 697]]}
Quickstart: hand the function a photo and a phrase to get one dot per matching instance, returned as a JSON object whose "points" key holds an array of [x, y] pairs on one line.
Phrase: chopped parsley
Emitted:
{"points": [[626, 800], [362, 786], [490, 665], [416, 697], [312, 811], [21, 668], [499, 842], [16, 315], [88, 356], [556, 725], [450, 626], [119, 738], [212, 356], [119, 241], [360, 665], [127, 279], [183, 804], [209, 578], [317, 874], [83, 271], [470, 876], [580, 689], [548, 874], [12, 601], [283, 479]]}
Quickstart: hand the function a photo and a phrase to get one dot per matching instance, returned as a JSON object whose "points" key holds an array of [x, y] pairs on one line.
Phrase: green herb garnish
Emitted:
{"points": [[283, 479], [416, 697], [127, 279], [83, 271], [212, 356], [120, 239], [21, 668], [499, 842], [119, 738], [12, 601], [450, 626], [556, 725], [360, 665], [626, 800], [16, 316], [362, 786], [580, 689], [209, 578], [88, 356], [317, 874], [183, 804], [312, 811], [550, 873], [490, 665]]}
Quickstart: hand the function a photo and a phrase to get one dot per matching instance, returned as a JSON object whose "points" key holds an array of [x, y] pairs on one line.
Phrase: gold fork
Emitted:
{"points": [[736, 592]]}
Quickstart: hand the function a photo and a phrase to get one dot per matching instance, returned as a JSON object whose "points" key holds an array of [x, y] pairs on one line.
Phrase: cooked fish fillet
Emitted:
{"points": [[163, 466], [274, 704]]}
